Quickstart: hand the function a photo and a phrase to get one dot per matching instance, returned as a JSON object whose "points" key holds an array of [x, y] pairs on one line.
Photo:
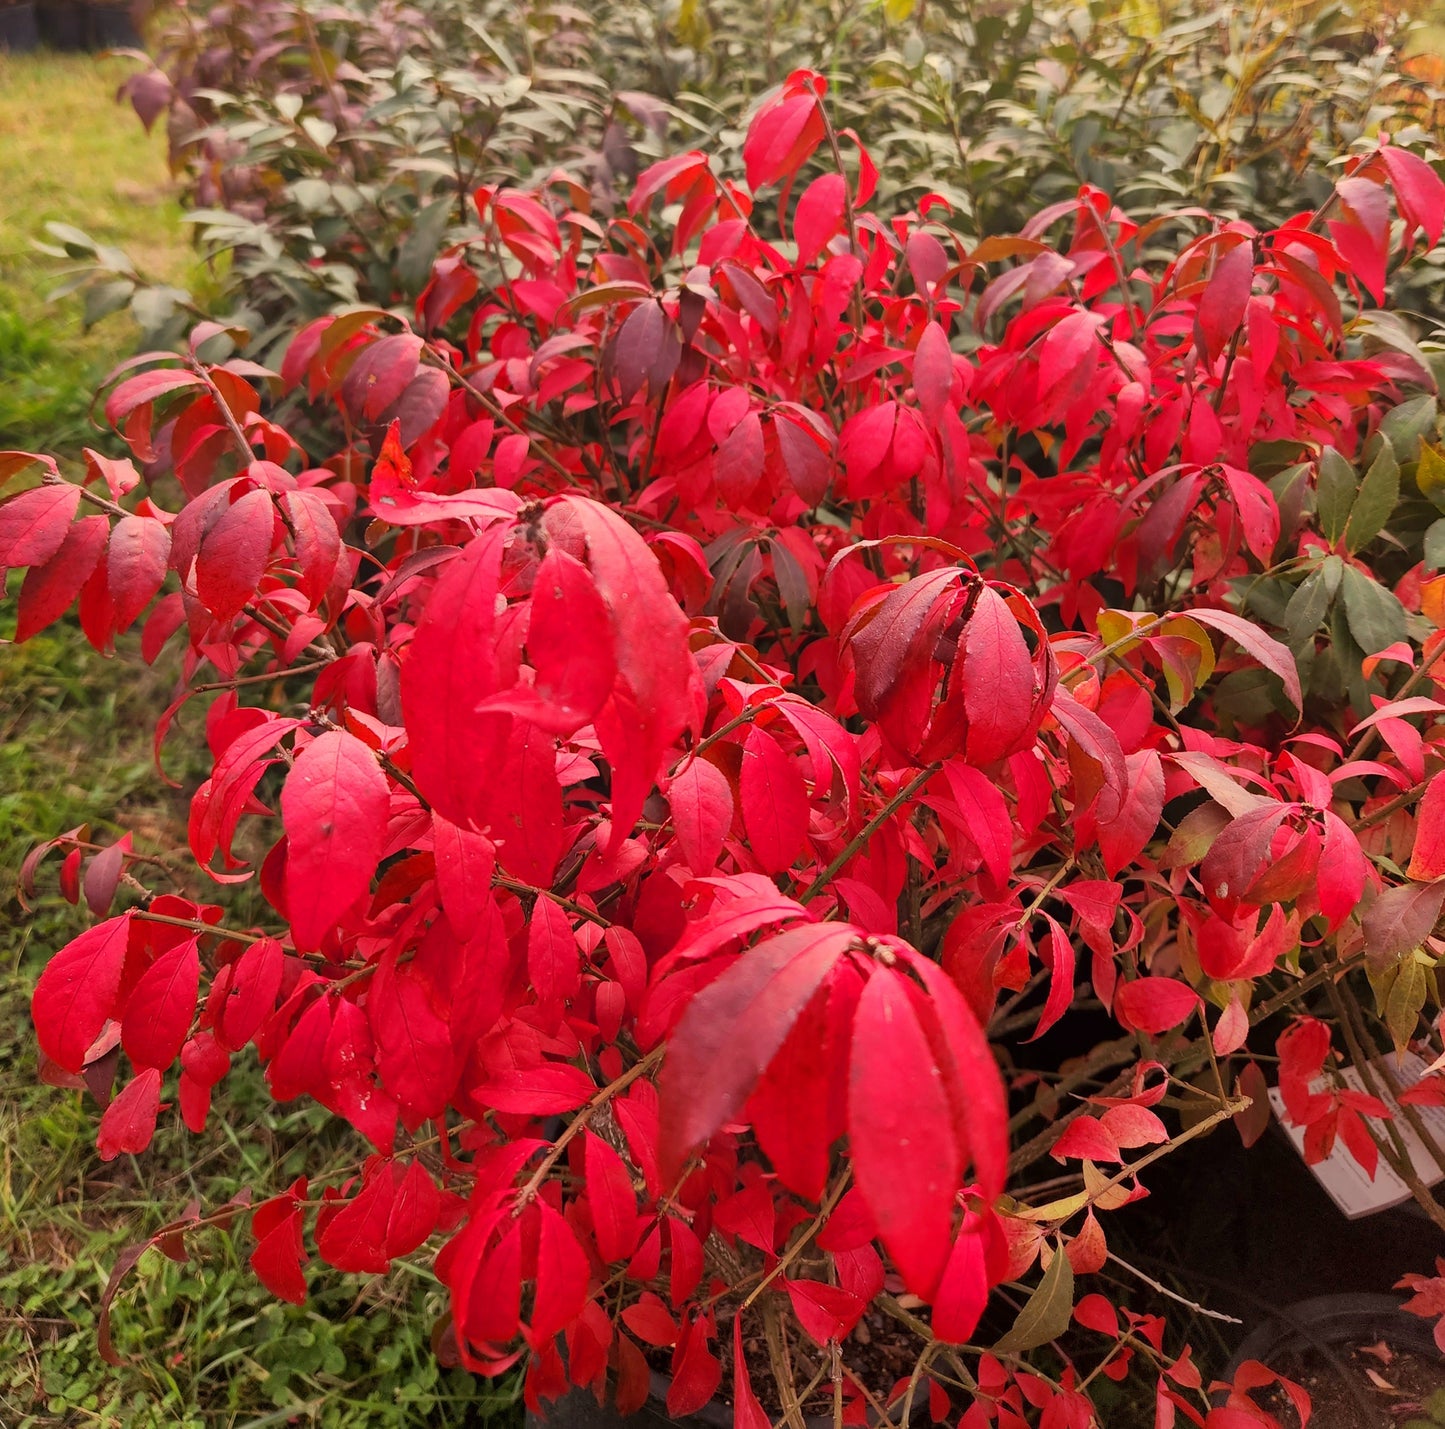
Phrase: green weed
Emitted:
{"points": [[203, 1343]]}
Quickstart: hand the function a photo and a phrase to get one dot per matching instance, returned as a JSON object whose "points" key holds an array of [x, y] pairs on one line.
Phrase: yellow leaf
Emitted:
{"points": [[1103, 1195], [898, 11], [1055, 1210], [1114, 627], [1430, 474]]}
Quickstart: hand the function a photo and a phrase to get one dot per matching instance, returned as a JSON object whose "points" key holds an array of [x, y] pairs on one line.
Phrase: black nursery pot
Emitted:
{"points": [[1316, 1334], [18, 31], [112, 28], [64, 25], [1332, 1320]]}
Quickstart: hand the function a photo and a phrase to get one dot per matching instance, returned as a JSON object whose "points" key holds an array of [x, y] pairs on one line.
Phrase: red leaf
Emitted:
{"points": [[1398, 921], [739, 461], [77, 992], [826, 1312], [147, 387], [612, 1199], [234, 553], [653, 658], [526, 816], [701, 800], [1085, 1138], [986, 822], [561, 1276], [160, 1007], [1068, 357], [466, 862], [971, 1073], [999, 694], [1239, 855], [881, 647], [351, 1235], [1123, 838], [449, 670], [317, 541], [1427, 861], [808, 459], [1132, 1125], [774, 802], [552, 955], [963, 1292], [333, 807], [748, 1412], [1226, 295], [818, 218], [549, 1090], [102, 876], [255, 983], [34, 524], [414, 1055], [696, 1373], [1060, 960], [1154, 1004], [634, 1377], [733, 1028], [1419, 193], [783, 134], [646, 349], [796, 1110], [933, 370], [649, 1320], [906, 1157], [381, 373], [414, 1212], [278, 1256], [49, 590], [140, 549], [1232, 1030], [1258, 511], [1268, 651], [569, 640], [129, 1122]]}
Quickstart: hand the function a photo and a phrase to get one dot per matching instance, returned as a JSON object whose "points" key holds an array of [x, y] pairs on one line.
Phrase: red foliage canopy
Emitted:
{"points": [[701, 684]]}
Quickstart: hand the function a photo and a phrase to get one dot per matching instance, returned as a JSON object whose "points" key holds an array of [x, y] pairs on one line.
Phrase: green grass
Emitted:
{"points": [[203, 1343], [69, 153]]}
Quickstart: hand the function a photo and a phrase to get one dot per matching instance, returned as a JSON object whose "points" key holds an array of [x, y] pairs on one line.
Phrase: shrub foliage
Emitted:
{"points": [[751, 666]]}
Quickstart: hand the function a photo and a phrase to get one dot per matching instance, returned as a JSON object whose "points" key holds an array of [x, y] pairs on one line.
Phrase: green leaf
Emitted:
{"points": [[103, 299], [1376, 618], [1046, 1315], [419, 251], [1335, 489], [1403, 426], [1407, 997], [1375, 501], [1382, 978], [1435, 546], [1305, 612]]}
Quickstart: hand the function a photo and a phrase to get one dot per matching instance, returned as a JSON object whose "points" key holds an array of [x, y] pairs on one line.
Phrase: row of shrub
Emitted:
{"points": [[328, 156]]}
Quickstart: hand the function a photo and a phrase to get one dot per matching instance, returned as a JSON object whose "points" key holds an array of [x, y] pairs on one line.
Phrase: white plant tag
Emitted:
{"points": [[1343, 1178]]}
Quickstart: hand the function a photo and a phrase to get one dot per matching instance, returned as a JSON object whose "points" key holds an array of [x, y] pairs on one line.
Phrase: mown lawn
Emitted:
{"points": [[203, 1344]]}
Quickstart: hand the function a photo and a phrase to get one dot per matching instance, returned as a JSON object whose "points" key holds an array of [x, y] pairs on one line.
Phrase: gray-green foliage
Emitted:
{"points": [[333, 156]]}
